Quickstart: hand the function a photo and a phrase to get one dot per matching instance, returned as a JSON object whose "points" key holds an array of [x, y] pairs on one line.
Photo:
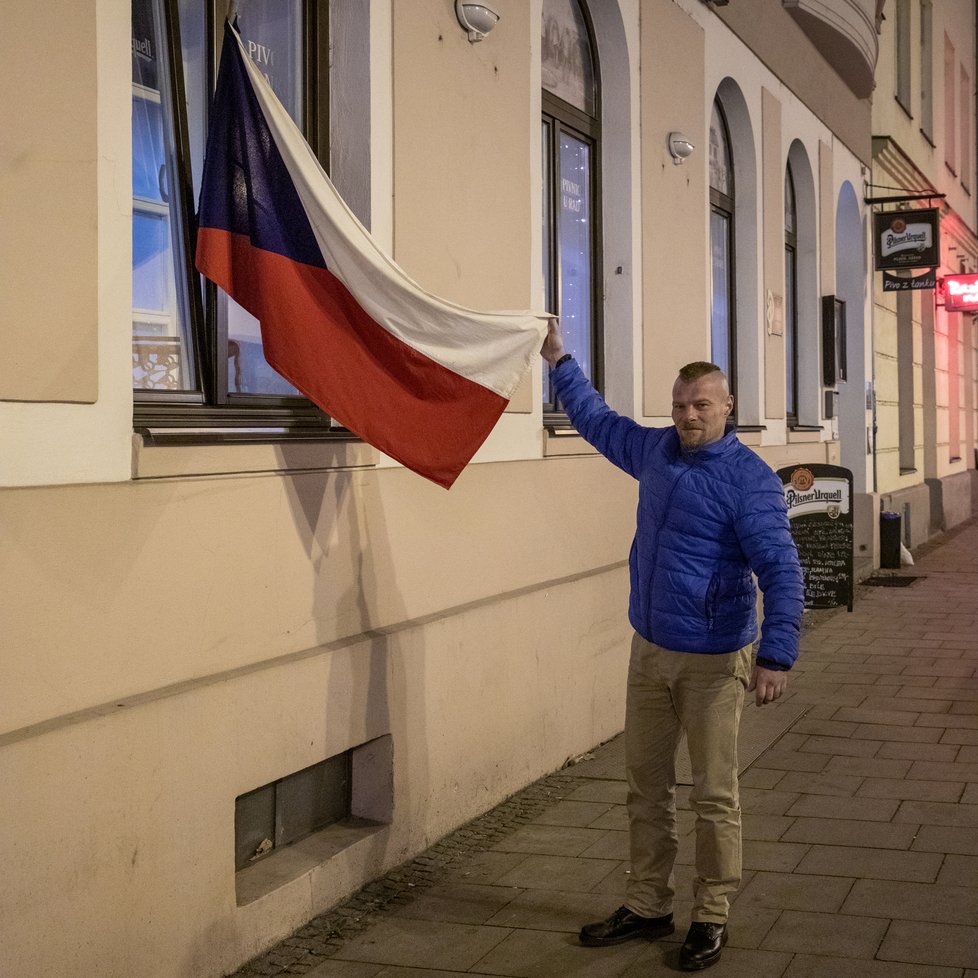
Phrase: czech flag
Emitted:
{"points": [[420, 378]]}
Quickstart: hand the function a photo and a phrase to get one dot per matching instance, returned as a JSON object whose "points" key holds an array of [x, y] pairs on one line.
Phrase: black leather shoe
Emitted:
{"points": [[623, 925], [703, 944]]}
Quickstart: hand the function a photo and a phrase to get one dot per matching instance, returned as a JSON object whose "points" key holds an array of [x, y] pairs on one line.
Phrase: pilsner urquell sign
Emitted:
{"points": [[907, 239]]}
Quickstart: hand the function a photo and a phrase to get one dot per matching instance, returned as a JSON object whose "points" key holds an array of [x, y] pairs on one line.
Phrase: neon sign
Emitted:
{"points": [[961, 293]]}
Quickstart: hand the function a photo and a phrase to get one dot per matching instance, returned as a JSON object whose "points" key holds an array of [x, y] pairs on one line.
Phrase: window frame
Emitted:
{"points": [[724, 206], [561, 116], [211, 413], [791, 307]]}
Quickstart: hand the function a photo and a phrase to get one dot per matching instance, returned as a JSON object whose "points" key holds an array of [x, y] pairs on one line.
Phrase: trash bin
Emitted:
{"points": [[890, 540]]}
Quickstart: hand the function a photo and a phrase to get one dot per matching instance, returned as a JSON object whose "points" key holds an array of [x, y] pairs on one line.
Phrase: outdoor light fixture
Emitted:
{"points": [[680, 148], [478, 19]]}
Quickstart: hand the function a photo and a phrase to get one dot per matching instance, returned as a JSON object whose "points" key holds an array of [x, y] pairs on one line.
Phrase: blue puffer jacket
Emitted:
{"points": [[705, 520]]}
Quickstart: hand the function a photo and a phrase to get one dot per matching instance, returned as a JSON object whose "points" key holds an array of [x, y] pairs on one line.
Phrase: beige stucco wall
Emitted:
{"points": [[200, 638]]}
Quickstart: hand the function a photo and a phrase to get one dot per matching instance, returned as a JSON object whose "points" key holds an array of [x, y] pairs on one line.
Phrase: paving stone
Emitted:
{"points": [[915, 704], [959, 737], [756, 777], [822, 933], [840, 831], [906, 681], [941, 667], [959, 870], [612, 792], [817, 966], [962, 708], [843, 746], [824, 728], [345, 969], [615, 818], [615, 882], [937, 902], [552, 910], [919, 752], [864, 714], [869, 767], [572, 813], [396, 972], [543, 954], [968, 754], [554, 840], [970, 796], [614, 845], [950, 721], [949, 791], [775, 857], [937, 813], [793, 891], [558, 873], [937, 771], [786, 760], [486, 867], [460, 903], [838, 785], [754, 801], [826, 806], [894, 734], [423, 944], [946, 838], [767, 828], [930, 943]]}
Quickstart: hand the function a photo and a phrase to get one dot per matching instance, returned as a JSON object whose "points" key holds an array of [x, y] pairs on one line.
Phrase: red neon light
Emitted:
{"points": [[960, 293]]}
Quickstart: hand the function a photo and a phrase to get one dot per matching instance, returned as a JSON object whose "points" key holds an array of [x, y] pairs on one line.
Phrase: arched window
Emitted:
{"points": [[570, 140], [723, 347], [790, 297]]}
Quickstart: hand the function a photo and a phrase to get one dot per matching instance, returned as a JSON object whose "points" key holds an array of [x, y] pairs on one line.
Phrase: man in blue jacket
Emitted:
{"points": [[710, 513]]}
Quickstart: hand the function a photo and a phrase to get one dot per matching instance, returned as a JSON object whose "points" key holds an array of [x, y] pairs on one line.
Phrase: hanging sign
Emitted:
{"points": [[960, 293], [907, 239], [925, 280], [819, 499]]}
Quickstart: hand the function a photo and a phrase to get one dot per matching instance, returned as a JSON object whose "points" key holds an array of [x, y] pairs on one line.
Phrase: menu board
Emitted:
{"points": [[819, 499]]}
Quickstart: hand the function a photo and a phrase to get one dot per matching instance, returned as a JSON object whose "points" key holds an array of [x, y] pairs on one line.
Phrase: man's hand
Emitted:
{"points": [[553, 346], [769, 684]]}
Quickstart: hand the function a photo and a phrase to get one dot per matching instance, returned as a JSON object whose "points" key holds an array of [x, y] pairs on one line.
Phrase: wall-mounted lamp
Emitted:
{"points": [[680, 148], [478, 19]]}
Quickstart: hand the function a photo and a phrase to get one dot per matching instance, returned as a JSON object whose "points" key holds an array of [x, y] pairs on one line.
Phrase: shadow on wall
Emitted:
{"points": [[339, 516]]}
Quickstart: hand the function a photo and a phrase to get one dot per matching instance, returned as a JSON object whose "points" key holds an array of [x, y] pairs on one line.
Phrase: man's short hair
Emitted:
{"points": [[698, 368]]}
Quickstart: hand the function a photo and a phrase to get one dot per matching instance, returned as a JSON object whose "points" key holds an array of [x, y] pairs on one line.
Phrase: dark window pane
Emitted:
{"points": [[574, 242], [720, 310], [790, 333], [161, 346], [271, 31]]}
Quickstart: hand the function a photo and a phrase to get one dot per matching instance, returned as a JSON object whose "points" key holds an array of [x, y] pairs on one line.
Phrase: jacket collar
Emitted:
{"points": [[715, 449]]}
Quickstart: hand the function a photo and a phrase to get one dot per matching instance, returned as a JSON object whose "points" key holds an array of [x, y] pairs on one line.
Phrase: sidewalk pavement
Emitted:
{"points": [[860, 798]]}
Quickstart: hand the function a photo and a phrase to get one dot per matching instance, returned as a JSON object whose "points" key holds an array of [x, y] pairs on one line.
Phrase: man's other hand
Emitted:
{"points": [[553, 346], [768, 684]]}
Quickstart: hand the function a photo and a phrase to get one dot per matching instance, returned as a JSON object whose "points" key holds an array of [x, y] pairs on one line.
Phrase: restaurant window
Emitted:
{"points": [[570, 139], [790, 297], [197, 355], [723, 347]]}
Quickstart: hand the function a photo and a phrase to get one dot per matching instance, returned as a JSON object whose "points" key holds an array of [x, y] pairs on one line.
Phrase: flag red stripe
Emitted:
{"points": [[317, 336]]}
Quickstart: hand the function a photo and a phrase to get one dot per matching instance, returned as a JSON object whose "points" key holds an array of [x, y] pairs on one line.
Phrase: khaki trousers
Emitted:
{"points": [[703, 695]]}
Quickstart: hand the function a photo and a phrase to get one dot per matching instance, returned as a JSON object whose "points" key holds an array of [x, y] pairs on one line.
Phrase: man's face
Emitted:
{"points": [[700, 409]]}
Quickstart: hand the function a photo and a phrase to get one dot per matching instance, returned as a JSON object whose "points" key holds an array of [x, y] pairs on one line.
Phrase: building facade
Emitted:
{"points": [[924, 364], [251, 664]]}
